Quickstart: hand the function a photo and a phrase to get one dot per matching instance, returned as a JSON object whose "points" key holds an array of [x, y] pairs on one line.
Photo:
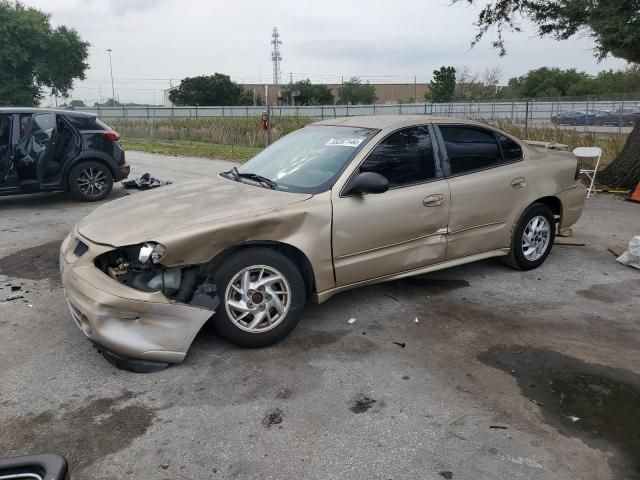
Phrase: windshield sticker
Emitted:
{"points": [[344, 142]]}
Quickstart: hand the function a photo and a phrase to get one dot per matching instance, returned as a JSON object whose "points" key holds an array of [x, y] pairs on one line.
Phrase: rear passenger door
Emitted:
{"points": [[487, 180], [404, 228]]}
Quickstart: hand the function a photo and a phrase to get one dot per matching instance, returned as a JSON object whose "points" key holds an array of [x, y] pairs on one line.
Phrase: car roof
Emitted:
{"points": [[383, 122], [33, 110]]}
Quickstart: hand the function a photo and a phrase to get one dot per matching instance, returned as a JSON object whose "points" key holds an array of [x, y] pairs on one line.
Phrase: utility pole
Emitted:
{"points": [[113, 90], [415, 89], [276, 58]]}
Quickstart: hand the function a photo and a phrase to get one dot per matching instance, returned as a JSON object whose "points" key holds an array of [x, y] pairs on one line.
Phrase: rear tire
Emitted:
{"points": [[262, 296], [532, 238], [90, 181]]}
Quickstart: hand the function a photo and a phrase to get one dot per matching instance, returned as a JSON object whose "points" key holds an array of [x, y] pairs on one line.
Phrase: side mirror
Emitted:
{"points": [[368, 182]]}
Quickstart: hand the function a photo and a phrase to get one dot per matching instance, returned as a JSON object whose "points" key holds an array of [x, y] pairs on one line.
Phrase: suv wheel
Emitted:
{"points": [[533, 238], [262, 297], [90, 181]]}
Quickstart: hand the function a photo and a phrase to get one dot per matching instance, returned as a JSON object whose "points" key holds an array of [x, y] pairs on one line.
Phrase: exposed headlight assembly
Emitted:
{"points": [[151, 251]]}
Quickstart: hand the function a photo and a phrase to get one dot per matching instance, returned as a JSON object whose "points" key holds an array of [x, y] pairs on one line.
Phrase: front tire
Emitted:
{"points": [[90, 181], [262, 296], [533, 238]]}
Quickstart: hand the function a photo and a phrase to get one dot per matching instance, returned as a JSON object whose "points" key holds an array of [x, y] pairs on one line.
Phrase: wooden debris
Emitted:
{"points": [[618, 248], [569, 241]]}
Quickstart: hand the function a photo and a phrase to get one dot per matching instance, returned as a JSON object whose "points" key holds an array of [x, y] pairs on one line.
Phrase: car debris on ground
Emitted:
{"points": [[11, 298], [145, 182], [569, 241]]}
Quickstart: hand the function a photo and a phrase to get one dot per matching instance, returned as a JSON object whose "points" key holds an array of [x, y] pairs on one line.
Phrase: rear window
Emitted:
{"points": [[87, 123], [470, 148]]}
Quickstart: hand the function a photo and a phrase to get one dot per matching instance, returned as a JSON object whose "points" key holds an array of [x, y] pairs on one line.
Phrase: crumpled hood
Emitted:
{"points": [[141, 217]]}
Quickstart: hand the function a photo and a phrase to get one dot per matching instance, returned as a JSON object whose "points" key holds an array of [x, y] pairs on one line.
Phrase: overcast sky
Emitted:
{"points": [[154, 41]]}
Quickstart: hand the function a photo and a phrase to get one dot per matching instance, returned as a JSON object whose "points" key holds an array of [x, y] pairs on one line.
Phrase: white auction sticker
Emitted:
{"points": [[344, 142]]}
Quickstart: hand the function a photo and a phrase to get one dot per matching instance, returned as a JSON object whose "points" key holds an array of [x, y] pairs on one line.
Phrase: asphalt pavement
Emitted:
{"points": [[505, 374]]}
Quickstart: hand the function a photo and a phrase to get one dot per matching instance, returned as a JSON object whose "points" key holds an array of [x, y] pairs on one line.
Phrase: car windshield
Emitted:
{"points": [[310, 159]]}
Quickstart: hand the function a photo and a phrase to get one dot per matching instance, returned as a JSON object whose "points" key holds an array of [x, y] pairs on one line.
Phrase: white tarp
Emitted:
{"points": [[632, 256]]}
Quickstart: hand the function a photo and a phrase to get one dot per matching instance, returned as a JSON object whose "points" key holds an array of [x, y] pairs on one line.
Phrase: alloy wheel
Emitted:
{"points": [[536, 238], [257, 298], [92, 182]]}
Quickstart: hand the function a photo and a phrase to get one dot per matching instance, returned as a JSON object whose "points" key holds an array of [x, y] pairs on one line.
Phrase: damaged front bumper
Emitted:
{"points": [[126, 321]]}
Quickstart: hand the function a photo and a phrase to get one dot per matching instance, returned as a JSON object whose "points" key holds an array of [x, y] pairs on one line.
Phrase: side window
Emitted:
{"points": [[85, 122], [511, 151], [25, 125], [5, 130], [404, 158], [470, 148], [44, 122]]}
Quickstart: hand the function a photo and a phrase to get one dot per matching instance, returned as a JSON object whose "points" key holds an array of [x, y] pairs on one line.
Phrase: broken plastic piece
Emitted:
{"points": [[573, 419], [415, 320], [352, 320], [145, 182]]}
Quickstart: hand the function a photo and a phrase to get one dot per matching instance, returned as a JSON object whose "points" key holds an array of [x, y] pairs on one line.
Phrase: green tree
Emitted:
{"points": [[109, 103], [354, 92], [76, 103], [34, 56], [554, 82], [613, 25], [308, 93], [442, 86], [246, 98], [209, 90]]}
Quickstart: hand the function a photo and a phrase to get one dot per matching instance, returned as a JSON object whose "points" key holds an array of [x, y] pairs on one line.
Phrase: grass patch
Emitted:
{"points": [[217, 130], [611, 143], [188, 148]]}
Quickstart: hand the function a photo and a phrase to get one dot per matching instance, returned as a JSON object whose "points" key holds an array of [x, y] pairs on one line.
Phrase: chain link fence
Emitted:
{"points": [[593, 113]]}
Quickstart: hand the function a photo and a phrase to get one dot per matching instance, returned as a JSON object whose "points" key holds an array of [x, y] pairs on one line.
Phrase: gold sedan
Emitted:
{"points": [[335, 205]]}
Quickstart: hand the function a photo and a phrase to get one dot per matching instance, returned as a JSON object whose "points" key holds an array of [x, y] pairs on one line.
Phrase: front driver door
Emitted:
{"points": [[375, 235]]}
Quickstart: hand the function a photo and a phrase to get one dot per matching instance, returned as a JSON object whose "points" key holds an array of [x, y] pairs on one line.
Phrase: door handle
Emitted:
{"points": [[518, 182], [433, 200]]}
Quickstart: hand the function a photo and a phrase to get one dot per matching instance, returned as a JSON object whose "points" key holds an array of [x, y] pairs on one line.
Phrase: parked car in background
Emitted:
{"points": [[577, 118], [47, 150], [335, 205], [619, 117]]}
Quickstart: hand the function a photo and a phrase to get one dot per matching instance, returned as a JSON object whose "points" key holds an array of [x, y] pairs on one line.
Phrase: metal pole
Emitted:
{"points": [[113, 90], [268, 125], [526, 120], [586, 115]]}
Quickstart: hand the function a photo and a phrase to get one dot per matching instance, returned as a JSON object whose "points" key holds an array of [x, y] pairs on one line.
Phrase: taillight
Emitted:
{"points": [[112, 136]]}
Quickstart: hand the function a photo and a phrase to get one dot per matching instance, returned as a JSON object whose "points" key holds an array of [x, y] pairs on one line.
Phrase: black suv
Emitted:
{"points": [[46, 150]]}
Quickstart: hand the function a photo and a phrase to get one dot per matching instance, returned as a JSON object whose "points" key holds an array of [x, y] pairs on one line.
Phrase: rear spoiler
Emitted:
{"points": [[547, 145]]}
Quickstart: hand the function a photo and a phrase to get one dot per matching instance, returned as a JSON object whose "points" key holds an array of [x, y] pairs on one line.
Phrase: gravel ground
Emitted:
{"points": [[488, 384]]}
